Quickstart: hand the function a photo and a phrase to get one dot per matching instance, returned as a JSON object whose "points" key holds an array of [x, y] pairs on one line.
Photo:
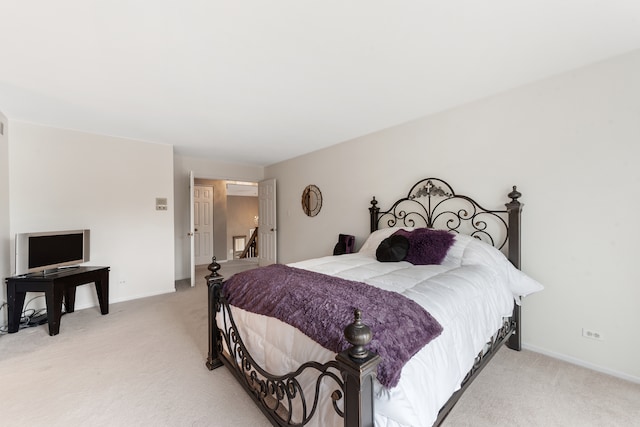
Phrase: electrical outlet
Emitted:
{"points": [[594, 335]]}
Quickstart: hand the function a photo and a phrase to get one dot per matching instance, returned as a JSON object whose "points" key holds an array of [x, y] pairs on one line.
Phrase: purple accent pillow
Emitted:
{"points": [[427, 246]]}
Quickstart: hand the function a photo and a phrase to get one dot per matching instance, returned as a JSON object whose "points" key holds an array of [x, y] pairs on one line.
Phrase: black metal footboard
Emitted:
{"points": [[282, 398]]}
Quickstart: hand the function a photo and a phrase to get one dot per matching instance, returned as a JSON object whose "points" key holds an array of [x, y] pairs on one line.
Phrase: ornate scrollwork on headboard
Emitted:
{"points": [[432, 203]]}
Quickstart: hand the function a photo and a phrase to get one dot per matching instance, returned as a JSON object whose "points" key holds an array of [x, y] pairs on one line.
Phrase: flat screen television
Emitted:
{"points": [[48, 251]]}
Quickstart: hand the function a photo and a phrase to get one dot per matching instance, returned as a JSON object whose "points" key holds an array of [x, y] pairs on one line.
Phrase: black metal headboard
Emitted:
{"points": [[432, 203]]}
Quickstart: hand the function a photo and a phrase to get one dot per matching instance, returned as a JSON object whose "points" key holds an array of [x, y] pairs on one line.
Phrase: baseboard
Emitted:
{"points": [[584, 364], [86, 305], [144, 295], [127, 298]]}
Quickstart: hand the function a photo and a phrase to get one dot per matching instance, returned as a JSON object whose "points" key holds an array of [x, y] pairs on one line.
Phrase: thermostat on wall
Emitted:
{"points": [[161, 203]]}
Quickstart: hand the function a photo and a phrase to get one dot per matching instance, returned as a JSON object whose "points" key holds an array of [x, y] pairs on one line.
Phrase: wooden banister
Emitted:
{"points": [[252, 243]]}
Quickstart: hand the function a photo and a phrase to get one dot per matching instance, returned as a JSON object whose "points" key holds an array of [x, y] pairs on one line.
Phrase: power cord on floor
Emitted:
{"points": [[29, 318]]}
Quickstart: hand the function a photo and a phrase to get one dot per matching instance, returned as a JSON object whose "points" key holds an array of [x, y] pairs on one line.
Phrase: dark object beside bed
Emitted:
{"points": [[430, 203], [346, 244]]}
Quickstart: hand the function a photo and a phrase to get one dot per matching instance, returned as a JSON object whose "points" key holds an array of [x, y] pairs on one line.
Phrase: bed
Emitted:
{"points": [[390, 342]]}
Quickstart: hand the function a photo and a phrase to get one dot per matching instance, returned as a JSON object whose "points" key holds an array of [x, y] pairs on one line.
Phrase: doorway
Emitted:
{"points": [[223, 239], [234, 213], [203, 223], [242, 220]]}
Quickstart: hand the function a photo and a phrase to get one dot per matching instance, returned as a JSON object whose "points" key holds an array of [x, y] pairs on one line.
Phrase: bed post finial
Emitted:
{"points": [[359, 335], [213, 268], [515, 195], [374, 210]]}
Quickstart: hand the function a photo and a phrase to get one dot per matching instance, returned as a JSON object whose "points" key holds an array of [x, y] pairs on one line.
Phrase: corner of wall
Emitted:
{"points": [[5, 238]]}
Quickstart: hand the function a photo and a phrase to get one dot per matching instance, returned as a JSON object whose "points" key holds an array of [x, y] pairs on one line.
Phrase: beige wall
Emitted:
{"points": [[62, 179], [570, 143]]}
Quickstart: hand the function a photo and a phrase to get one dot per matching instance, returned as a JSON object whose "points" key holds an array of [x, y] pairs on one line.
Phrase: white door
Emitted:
{"points": [[203, 223], [192, 255], [267, 222]]}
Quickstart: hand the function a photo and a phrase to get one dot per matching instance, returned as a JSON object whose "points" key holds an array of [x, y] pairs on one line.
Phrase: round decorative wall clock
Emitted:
{"points": [[311, 200]]}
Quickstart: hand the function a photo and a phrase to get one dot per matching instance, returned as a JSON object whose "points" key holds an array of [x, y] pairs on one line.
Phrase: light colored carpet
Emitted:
{"points": [[143, 365], [529, 389]]}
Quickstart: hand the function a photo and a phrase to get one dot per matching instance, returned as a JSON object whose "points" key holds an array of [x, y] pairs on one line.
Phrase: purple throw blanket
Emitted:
{"points": [[322, 306]]}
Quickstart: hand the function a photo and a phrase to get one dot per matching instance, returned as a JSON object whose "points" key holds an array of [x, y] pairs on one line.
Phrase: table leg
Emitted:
{"points": [[102, 289], [70, 299], [15, 302], [54, 308]]}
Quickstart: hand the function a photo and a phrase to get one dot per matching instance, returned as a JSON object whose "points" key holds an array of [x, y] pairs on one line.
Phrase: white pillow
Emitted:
{"points": [[456, 251], [478, 252]]}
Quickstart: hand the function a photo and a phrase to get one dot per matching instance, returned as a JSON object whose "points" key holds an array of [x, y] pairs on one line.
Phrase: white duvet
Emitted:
{"points": [[469, 294]]}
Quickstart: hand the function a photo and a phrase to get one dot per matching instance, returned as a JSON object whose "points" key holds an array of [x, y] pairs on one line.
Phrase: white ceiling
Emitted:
{"points": [[257, 81]]}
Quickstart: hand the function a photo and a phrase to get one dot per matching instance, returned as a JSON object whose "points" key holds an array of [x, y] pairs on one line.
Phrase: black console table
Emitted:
{"points": [[56, 285]]}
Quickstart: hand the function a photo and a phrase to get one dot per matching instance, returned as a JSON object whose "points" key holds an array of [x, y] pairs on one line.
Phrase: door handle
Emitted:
{"points": [[189, 234]]}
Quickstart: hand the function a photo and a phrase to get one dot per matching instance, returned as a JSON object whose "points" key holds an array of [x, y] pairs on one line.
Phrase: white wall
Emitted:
{"points": [[570, 143], [207, 169], [5, 239], [63, 179]]}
